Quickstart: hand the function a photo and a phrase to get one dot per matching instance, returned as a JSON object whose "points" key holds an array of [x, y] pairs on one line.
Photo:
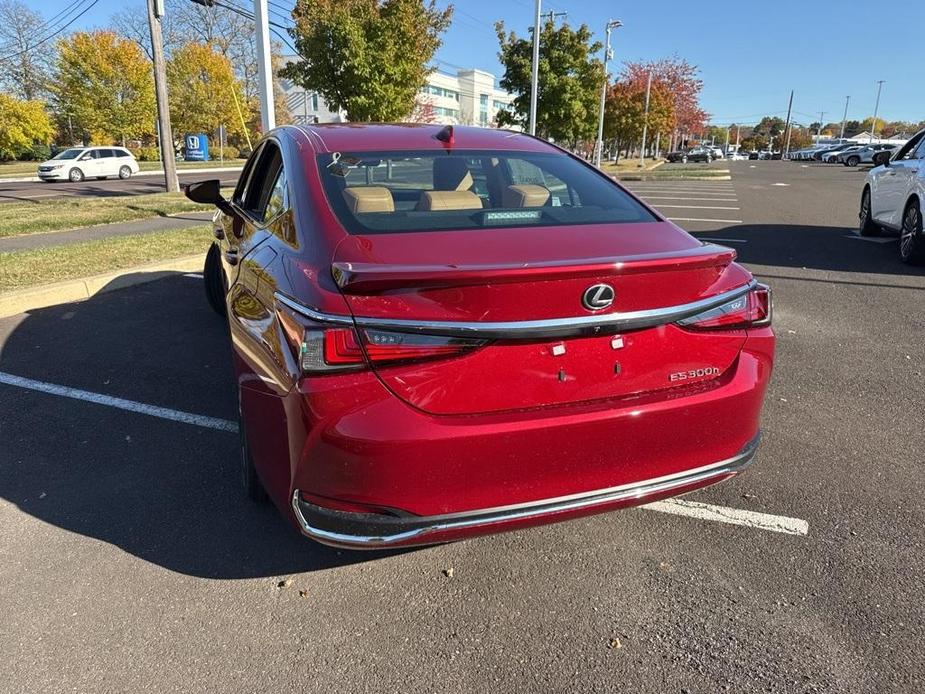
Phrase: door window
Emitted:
{"points": [[919, 152], [264, 196], [909, 148], [244, 182]]}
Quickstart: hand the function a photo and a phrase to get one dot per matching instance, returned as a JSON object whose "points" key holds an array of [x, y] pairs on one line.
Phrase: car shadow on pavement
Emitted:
{"points": [[165, 491], [835, 249]]}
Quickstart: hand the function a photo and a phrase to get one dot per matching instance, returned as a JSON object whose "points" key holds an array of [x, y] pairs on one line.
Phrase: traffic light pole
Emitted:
{"points": [[168, 156]]}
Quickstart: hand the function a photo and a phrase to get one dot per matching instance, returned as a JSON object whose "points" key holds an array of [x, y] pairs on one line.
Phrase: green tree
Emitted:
{"points": [[770, 125], [368, 57], [570, 82], [22, 125], [202, 89], [105, 85]]}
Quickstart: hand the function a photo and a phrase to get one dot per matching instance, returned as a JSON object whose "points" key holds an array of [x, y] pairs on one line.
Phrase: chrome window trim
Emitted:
{"points": [[424, 526], [552, 327]]}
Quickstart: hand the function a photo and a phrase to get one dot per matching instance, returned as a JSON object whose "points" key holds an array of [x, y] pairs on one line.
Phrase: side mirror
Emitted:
{"points": [[208, 193], [882, 158]]}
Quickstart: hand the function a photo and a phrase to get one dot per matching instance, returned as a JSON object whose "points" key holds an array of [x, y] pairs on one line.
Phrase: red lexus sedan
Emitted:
{"points": [[446, 332]]}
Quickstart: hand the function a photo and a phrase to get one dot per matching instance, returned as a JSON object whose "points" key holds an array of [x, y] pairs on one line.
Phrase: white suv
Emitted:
{"points": [[894, 198], [77, 163]]}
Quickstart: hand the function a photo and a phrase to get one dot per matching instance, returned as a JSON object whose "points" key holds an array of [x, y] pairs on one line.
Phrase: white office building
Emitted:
{"points": [[469, 97]]}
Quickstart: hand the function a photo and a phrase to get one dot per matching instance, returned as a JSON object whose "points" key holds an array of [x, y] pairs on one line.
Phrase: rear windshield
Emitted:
{"points": [[390, 192]]}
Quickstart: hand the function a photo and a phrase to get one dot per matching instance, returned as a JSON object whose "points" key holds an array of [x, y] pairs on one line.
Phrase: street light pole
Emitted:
{"points": [[599, 145], [873, 127], [165, 137], [264, 66], [645, 121], [844, 119], [535, 78]]}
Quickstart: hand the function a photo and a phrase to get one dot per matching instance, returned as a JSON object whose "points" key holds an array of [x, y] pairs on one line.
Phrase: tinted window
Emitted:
{"points": [[388, 192], [278, 199], [262, 181], [122, 153], [107, 154], [240, 191], [72, 153]]}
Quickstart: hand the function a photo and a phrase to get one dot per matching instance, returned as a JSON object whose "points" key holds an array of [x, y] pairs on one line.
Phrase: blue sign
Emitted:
{"points": [[197, 148]]}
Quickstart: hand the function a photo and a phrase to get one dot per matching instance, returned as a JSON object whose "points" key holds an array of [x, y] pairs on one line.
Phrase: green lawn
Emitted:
{"points": [[25, 169], [21, 269], [627, 166], [71, 213]]}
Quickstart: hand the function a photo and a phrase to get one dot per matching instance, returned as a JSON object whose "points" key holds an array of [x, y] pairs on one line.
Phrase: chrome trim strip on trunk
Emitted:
{"points": [[550, 327], [409, 530]]}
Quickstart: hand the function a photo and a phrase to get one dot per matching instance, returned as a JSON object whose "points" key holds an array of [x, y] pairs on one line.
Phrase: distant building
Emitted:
{"points": [[469, 97]]}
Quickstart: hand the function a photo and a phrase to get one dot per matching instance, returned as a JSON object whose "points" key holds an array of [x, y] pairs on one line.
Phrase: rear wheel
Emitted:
{"points": [[124, 172], [213, 280], [911, 243], [866, 224], [75, 175], [853, 161]]}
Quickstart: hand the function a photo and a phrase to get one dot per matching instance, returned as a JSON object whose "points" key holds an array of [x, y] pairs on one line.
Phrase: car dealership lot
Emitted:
{"points": [[131, 561]]}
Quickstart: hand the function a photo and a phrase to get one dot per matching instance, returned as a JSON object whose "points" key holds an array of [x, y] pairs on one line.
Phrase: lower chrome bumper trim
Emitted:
{"points": [[371, 531]]}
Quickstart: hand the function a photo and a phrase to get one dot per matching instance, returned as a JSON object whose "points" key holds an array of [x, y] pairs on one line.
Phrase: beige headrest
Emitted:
{"points": [[369, 199], [449, 200], [525, 195]]}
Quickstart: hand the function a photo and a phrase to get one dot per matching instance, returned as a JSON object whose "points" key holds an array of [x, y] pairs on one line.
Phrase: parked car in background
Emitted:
{"points": [[831, 157], [77, 163], [818, 154], [894, 199], [863, 155], [701, 154], [736, 156], [717, 151], [410, 305]]}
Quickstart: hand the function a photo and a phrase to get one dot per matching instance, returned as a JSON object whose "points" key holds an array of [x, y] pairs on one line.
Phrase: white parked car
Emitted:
{"points": [[894, 199], [77, 163], [862, 155], [736, 156]]}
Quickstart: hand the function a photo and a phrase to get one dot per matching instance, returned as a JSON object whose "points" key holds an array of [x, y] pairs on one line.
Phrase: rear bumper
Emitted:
{"points": [[371, 530]]}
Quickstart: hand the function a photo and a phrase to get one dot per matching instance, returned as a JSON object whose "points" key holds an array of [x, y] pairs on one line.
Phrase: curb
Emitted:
{"points": [[160, 172], [42, 296]]}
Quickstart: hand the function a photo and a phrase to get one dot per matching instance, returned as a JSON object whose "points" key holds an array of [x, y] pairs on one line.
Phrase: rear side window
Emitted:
{"points": [[264, 193], [107, 153], [407, 191], [122, 153]]}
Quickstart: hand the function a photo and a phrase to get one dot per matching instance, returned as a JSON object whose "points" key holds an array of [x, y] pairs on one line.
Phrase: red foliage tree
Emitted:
{"points": [[679, 79]]}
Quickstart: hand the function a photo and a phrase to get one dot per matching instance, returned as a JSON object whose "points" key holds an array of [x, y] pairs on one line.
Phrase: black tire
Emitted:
{"points": [[853, 161], [214, 281], [124, 172], [253, 487], [911, 239], [866, 224], [75, 175]]}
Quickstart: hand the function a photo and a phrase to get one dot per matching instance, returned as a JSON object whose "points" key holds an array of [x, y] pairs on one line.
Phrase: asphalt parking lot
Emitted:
{"points": [[130, 560], [20, 191]]}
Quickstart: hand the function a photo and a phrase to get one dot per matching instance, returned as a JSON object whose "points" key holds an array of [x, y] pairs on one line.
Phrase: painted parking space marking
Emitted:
{"points": [[118, 403], [194, 275], [699, 219], [698, 207], [678, 507], [662, 196], [733, 516]]}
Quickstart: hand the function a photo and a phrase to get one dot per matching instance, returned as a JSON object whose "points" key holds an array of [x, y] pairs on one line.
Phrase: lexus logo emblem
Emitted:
{"points": [[598, 296]]}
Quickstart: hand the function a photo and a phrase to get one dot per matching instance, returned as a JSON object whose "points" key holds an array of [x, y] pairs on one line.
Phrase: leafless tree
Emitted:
{"points": [[24, 66]]}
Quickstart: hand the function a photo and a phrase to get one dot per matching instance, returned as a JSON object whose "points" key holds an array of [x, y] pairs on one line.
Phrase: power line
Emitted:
{"points": [[45, 24], [50, 36]]}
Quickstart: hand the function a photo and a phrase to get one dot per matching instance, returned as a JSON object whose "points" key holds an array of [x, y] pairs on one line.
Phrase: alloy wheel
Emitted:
{"points": [[124, 172], [911, 244], [75, 175]]}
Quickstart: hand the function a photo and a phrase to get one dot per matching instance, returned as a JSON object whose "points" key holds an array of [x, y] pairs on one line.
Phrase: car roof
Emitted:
{"points": [[365, 137]]}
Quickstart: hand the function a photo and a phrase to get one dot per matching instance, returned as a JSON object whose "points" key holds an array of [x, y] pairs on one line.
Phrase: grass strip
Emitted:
{"points": [[26, 169], [21, 269], [61, 214]]}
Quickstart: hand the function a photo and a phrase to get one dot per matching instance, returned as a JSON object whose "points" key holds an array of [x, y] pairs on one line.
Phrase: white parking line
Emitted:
{"points": [[194, 275], [698, 219], [697, 207], [714, 193], [661, 196], [734, 516], [119, 403]]}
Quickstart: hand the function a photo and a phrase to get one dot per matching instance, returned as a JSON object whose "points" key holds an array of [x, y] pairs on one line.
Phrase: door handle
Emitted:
{"points": [[231, 256]]}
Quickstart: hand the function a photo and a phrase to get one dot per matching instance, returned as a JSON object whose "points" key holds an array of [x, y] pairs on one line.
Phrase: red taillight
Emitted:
{"points": [[342, 346], [751, 310]]}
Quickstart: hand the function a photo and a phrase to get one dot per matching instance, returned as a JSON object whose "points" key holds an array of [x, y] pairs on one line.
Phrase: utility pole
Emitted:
{"points": [[599, 145], [844, 119], [873, 127], [535, 78], [819, 129], [645, 122], [787, 126], [264, 66], [726, 146], [552, 14], [165, 137]]}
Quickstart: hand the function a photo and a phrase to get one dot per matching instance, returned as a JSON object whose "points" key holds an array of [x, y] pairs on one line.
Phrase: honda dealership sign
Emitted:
{"points": [[197, 148]]}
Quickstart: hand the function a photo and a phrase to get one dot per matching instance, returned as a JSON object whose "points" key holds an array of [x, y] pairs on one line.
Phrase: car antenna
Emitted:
{"points": [[446, 135]]}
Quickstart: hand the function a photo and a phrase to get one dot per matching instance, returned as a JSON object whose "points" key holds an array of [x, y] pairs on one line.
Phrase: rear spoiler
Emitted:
{"points": [[372, 278]]}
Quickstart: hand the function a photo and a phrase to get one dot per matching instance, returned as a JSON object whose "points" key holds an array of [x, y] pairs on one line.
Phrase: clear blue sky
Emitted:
{"points": [[750, 54]]}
